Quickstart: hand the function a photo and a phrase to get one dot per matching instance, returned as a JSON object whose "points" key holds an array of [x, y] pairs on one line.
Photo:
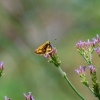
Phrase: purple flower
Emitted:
{"points": [[53, 57], [97, 40], [89, 44], [6, 98], [47, 56], [85, 45], [97, 50], [94, 40], [95, 82], [1, 65], [79, 44], [81, 70], [29, 96], [54, 50], [92, 69], [86, 49]]}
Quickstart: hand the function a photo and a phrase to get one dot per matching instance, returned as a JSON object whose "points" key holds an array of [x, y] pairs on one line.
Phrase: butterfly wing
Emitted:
{"points": [[40, 50], [44, 48], [49, 48]]}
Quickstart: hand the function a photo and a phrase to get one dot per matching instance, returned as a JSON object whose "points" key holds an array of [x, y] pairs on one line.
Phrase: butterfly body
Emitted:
{"points": [[44, 48]]}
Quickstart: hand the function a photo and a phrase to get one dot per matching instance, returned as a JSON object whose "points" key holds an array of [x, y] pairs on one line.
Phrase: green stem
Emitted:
{"points": [[94, 93], [89, 63], [98, 98], [91, 90], [64, 75]]}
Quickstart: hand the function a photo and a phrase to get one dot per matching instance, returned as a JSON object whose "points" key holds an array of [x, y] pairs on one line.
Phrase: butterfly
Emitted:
{"points": [[44, 48]]}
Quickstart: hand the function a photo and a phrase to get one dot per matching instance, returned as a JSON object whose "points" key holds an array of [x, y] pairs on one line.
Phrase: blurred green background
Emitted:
{"points": [[25, 25]]}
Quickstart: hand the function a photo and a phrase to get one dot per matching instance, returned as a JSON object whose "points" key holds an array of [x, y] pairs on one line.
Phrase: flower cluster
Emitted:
{"points": [[53, 57], [92, 70], [97, 50], [86, 49], [95, 83], [1, 68], [29, 96], [81, 73], [6, 98], [97, 39]]}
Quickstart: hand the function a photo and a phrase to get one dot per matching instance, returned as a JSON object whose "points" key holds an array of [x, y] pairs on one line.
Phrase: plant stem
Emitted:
{"points": [[90, 63], [91, 90], [64, 75], [98, 98]]}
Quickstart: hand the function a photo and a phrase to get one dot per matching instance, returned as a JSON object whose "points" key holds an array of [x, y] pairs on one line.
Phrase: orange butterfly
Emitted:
{"points": [[44, 48]]}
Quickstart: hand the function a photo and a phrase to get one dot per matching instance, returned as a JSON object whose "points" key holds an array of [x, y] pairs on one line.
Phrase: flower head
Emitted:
{"points": [[95, 83], [54, 51], [97, 39], [53, 57], [81, 72], [1, 67], [92, 69], [97, 50], [47, 56], [29, 96], [85, 45], [6, 98], [86, 49]]}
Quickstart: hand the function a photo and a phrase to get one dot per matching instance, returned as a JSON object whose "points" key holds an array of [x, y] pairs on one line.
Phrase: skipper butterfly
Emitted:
{"points": [[44, 48]]}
